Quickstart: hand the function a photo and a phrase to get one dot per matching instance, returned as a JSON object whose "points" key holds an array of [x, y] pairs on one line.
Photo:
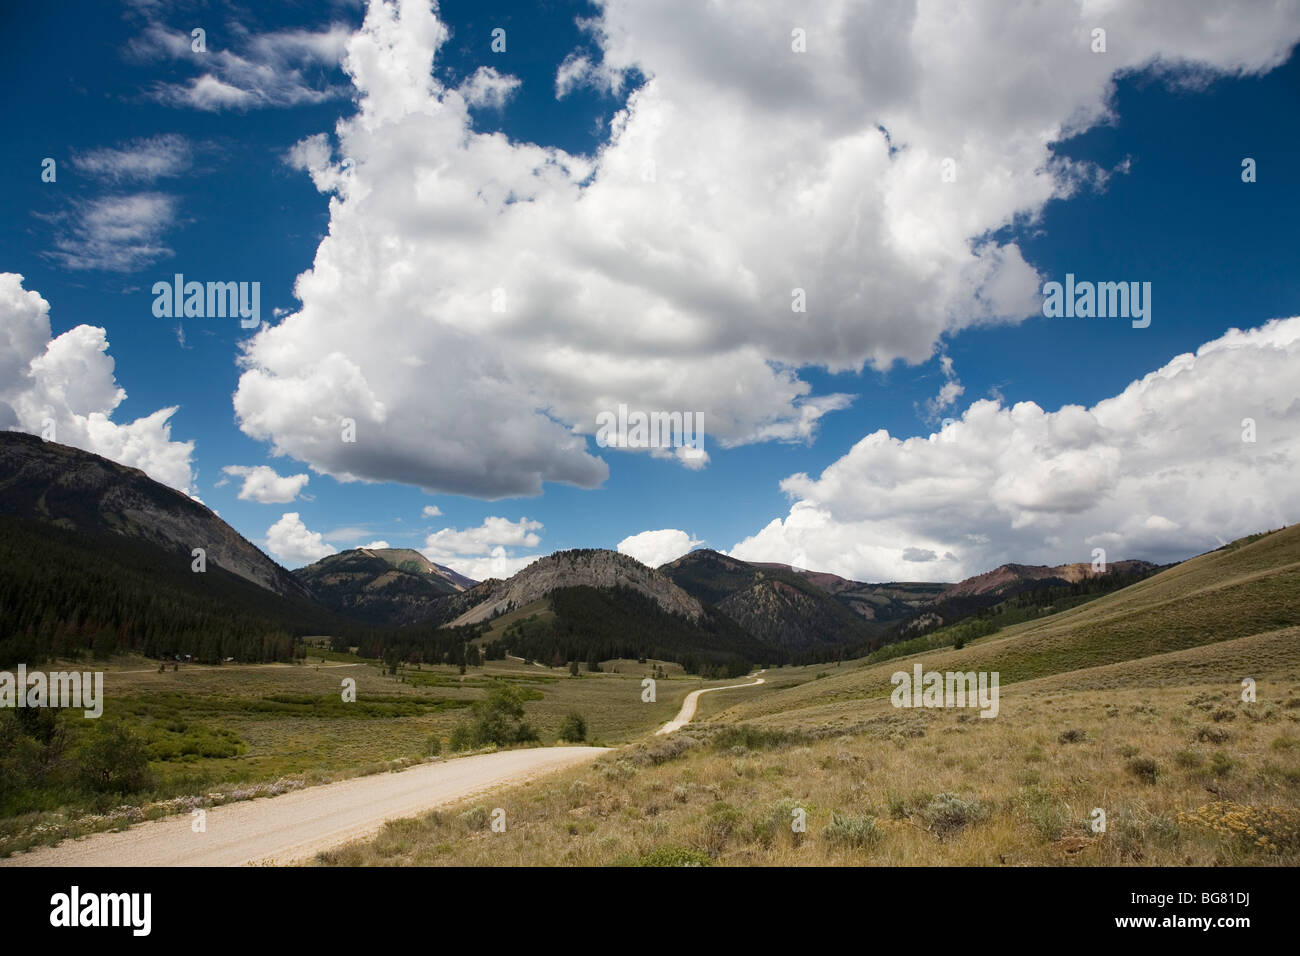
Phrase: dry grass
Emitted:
{"points": [[916, 787], [1131, 705], [1217, 597]]}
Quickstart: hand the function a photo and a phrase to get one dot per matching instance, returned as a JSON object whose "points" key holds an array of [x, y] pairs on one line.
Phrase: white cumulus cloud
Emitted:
{"points": [[485, 551], [653, 548], [68, 380], [290, 541], [1160, 472], [530, 288], [488, 88], [263, 484]]}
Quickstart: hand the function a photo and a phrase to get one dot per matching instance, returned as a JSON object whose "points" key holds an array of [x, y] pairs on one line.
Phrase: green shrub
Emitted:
{"points": [[947, 813], [672, 856], [1045, 814], [723, 820], [462, 737], [32, 742], [620, 769], [902, 806], [1211, 735], [574, 729], [1133, 831], [1220, 764], [475, 818], [178, 740], [755, 738], [781, 816], [498, 719], [661, 751], [852, 831], [112, 759]]}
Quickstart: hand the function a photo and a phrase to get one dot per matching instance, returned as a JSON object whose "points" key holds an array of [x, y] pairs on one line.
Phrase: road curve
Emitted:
{"points": [[294, 827], [687, 712]]}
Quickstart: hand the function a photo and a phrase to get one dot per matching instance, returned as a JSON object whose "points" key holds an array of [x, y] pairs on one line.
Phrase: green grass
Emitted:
{"points": [[540, 609], [232, 728]]}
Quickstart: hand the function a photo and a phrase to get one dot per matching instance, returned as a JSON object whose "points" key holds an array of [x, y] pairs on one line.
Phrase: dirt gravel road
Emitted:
{"points": [[294, 827], [687, 713]]}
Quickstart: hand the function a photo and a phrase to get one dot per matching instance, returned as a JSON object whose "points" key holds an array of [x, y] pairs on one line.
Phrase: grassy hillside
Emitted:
{"points": [[1251, 588]]}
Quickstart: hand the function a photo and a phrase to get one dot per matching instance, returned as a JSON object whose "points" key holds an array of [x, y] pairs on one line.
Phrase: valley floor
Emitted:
{"points": [[222, 734], [1185, 772]]}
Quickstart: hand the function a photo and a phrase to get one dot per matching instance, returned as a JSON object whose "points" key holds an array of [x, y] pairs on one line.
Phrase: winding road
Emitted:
{"points": [[294, 827], [687, 712]]}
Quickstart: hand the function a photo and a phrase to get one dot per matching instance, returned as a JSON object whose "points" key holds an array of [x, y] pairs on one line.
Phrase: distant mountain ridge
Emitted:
{"points": [[809, 614], [408, 559], [81, 491], [385, 586], [774, 604], [794, 609], [586, 567], [875, 602], [708, 608], [1012, 591], [1009, 577]]}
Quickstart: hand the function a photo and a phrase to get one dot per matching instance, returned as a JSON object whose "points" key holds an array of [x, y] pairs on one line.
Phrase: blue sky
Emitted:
{"points": [[1172, 210]]}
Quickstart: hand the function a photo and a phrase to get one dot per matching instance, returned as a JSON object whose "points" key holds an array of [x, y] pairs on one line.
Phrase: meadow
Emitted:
{"points": [[1184, 771], [1158, 725], [217, 733]]}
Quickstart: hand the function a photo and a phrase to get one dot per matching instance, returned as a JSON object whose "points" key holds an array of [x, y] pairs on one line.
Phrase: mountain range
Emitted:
{"points": [[707, 610]]}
